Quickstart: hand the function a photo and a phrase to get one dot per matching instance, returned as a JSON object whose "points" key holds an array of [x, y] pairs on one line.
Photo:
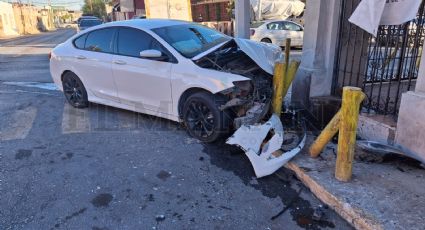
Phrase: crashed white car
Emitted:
{"points": [[172, 69]]}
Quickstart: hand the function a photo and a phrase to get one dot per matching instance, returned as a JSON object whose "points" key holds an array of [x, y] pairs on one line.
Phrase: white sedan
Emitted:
{"points": [[176, 70], [277, 31]]}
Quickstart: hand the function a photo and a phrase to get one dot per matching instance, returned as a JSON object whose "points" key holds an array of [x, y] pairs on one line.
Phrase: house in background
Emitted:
{"points": [[210, 10], [127, 9]]}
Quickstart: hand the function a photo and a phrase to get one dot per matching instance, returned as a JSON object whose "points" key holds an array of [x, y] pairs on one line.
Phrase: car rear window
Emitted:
{"points": [[80, 41], [256, 24], [87, 23]]}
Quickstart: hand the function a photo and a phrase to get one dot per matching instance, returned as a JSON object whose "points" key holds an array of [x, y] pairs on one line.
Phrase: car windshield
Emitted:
{"points": [[87, 23], [191, 39]]}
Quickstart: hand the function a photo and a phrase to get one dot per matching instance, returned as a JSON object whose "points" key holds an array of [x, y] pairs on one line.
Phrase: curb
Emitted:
{"points": [[355, 216]]}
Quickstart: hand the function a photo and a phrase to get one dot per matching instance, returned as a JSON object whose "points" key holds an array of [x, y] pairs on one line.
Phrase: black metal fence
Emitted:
{"points": [[385, 66]]}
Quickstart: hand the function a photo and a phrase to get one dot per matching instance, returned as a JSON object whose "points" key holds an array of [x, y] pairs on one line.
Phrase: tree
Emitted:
{"points": [[94, 7], [230, 8]]}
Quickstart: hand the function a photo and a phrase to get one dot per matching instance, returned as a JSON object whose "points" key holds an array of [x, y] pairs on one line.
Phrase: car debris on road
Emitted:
{"points": [[261, 154]]}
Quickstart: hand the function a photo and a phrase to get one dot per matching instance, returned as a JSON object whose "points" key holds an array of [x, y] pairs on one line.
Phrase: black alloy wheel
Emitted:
{"points": [[203, 119], [74, 90]]}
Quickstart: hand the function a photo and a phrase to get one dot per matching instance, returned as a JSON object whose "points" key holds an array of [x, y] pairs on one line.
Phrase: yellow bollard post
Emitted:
{"points": [[279, 75], [290, 75], [287, 50], [351, 99], [326, 135], [284, 74]]}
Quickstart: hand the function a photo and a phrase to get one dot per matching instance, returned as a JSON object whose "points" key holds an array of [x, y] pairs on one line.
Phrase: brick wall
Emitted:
{"points": [[207, 12]]}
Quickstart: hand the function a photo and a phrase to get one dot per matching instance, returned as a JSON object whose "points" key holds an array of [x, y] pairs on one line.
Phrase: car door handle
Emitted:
{"points": [[81, 57], [119, 62]]}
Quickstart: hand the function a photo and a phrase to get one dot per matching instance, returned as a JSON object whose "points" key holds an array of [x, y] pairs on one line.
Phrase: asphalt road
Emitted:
{"points": [[106, 168]]}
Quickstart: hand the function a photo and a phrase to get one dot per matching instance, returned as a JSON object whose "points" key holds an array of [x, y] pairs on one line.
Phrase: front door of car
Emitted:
{"points": [[94, 61], [294, 32], [143, 83]]}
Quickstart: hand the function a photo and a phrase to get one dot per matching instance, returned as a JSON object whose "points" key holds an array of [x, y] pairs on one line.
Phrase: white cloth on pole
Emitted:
{"points": [[369, 14], [277, 9]]}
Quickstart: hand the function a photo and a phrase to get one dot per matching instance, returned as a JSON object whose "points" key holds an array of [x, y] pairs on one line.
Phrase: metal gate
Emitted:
{"points": [[385, 66]]}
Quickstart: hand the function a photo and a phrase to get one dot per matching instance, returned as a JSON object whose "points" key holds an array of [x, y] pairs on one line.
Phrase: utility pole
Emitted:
{"points": [[91, 6], [168, 8]]}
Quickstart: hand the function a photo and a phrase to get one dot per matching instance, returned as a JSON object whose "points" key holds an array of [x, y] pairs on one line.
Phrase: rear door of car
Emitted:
{"points": [[143, 83], [93, 61]]}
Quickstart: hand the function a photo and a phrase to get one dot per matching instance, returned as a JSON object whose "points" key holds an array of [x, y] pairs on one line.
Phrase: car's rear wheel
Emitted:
{"points": [[266, 40], [74, 90], [203, 119]]}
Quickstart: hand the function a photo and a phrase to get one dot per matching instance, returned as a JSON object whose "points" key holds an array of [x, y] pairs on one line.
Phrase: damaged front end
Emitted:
{"points": [[249, 101]]}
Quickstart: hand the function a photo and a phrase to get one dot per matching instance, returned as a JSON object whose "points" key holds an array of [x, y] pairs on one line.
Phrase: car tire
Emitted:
{"points": [[203, 118], [74, 90], [266, 40]]}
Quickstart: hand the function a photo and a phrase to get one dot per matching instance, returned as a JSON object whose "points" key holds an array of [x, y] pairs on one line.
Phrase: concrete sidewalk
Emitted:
{"points": [[381, 195]]}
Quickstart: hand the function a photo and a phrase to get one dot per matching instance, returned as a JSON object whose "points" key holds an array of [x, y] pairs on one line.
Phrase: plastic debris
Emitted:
{"points": [[251, 138]]}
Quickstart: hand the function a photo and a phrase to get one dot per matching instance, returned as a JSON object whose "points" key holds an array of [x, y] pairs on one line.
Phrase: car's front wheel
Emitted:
{"points": [[203, 119], [74, 90]]}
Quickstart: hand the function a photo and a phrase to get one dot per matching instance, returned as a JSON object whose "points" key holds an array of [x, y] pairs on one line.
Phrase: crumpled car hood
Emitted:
{"points": [[263, 54]]}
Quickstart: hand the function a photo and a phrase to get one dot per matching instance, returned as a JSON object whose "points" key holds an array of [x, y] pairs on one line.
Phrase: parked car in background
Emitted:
{"points": [[86, 23], [139, 17], [86, 17], [276, 32], [173, 69]]}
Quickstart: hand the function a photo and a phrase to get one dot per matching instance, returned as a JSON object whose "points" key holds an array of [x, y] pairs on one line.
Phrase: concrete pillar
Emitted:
{"points": [[315, 74], [242, 16], [420, 83], [410, 132]]}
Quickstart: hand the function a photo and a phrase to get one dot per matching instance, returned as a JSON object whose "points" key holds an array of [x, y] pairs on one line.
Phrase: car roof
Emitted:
{"points": [[147, 23], [91, 19], [278, 20]]}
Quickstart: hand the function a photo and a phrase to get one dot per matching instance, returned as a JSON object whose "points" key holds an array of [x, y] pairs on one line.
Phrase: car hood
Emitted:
{"points": [[263, 54]]}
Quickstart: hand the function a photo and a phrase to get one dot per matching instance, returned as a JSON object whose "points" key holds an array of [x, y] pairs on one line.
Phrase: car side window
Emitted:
{"points": [[291, 26], [80, 41], [274, 26], [100, 40], [132, 41]]}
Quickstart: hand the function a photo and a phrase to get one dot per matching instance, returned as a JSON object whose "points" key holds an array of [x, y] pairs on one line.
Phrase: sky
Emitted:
{"points": [[69, 4]]}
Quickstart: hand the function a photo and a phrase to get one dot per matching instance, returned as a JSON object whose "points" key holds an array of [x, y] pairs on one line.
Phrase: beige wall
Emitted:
{"points": [[7, 20], [26, 18]]}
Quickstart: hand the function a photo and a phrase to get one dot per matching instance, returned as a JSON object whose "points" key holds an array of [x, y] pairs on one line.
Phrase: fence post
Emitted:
{"points": [[351, 99]]}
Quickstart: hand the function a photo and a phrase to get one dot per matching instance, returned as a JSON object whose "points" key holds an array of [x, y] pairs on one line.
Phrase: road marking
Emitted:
{"points": [[40, 85], [75, 120], [21, 124]]}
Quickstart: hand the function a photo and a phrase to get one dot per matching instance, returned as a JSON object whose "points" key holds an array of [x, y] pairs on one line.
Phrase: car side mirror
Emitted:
{"points": [[153, 55]]}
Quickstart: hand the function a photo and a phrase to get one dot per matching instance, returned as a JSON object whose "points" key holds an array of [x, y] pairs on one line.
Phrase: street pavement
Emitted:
{"points": [[106, 168]]}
